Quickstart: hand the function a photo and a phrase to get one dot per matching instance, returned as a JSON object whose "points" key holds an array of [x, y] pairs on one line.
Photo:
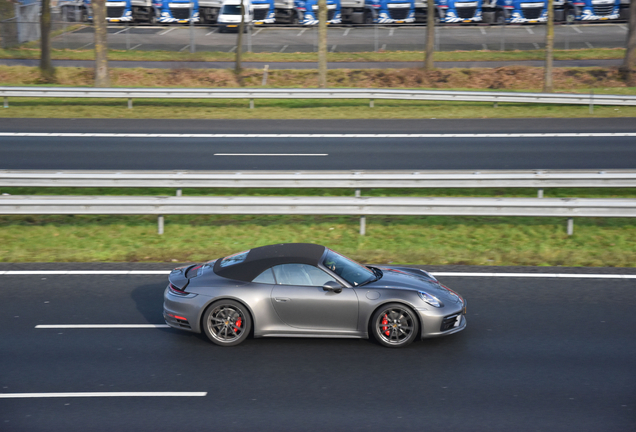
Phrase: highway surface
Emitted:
{"points": [[349, 39], [349, 145], [539, 354]]}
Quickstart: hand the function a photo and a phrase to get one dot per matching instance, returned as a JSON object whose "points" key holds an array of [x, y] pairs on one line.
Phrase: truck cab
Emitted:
{"points": [[118, 11], [459, 11], [586, 10], [515, 11], [305, 12], [378, 11], [264, 12], [178, 11]]}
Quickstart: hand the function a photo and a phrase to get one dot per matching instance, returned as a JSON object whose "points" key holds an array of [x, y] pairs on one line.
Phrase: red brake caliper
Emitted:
{"points": [[238, 323], [385, 329]]}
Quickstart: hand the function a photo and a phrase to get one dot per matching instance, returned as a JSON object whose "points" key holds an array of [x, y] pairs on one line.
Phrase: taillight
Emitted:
{"points": [[174, 290]]}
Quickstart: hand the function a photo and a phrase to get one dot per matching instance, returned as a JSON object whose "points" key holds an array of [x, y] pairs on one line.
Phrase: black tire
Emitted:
{"points": [[227, 322], [395, 325], [570, 15]]}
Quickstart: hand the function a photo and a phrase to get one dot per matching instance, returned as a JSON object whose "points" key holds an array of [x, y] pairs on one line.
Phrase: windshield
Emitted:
{"points": [[354, 273], [231, 10]]}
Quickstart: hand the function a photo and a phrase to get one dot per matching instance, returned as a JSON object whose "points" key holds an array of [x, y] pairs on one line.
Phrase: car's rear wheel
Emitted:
{"points": [[227, 322], [395, 325]]}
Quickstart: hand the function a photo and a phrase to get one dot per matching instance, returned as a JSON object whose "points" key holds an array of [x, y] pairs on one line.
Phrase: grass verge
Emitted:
{"points": [[409, 240], [414, 240], [382, 56]]}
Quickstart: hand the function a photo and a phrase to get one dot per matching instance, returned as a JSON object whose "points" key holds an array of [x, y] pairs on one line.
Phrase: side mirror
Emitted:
{"points": [[332, 286]]}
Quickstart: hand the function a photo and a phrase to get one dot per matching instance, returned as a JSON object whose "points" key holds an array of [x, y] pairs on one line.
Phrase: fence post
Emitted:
{"points": [[265, 70]]}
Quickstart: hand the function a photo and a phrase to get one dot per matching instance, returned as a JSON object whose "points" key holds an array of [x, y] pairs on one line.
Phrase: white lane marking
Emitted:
{"points": [[83, 272], [530, 30], [233, 49], [536, 275], [576, 29], [442, 274], [623, 26], [283, 48], [121, 31], [136, 46], [167, 31], [257, 31], [458, 135], [347, 31], [383, 47], [391, 32], [302, 31], [484, 47], [589, 45], [101, 394], [87, 45], [101, 326], [482, 30], [210, 32], [183, 49], [333, 48], [271, 154], [536, 45]]}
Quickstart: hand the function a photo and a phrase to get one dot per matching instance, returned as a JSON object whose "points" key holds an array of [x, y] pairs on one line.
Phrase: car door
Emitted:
{"points": [[300, 300]]}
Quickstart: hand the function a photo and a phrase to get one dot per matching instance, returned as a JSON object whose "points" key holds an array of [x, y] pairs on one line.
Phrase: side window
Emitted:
{"points": [[300, 274], [267, 277]]}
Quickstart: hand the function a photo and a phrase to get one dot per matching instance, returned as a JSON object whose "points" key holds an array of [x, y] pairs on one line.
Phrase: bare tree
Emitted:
{"points": [[238, 68], [630, 50], [549, 47], [101, 44], [47, 71], [430, 35], [322, 43]]}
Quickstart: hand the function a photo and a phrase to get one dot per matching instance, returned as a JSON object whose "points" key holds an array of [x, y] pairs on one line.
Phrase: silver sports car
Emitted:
{"points": [[308, 290]]}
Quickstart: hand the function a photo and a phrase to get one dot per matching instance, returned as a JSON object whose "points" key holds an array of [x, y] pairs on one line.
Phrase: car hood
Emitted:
{"points": [[413, 279]]}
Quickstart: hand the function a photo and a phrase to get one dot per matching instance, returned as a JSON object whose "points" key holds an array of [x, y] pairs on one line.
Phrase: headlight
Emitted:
{"points": [[432, 300]]}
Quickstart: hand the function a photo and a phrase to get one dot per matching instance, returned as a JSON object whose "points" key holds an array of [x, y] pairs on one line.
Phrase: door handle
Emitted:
{"points": [[281, 299]]}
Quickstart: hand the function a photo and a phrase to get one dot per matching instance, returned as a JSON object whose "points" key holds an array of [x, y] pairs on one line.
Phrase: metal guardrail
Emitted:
{"points": [[389, 94], [319, 179], [413, 206]]}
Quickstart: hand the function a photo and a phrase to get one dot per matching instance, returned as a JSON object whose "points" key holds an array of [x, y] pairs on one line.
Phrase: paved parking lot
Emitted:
{"points": [[349, 39]]}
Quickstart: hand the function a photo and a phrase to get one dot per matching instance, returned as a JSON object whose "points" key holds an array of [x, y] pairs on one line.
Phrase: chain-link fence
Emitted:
{"points": [[70, 32]]}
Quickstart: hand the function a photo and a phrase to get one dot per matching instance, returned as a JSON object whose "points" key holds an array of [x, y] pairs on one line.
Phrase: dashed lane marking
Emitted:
{"points": [[101, 326], [101, 394]]}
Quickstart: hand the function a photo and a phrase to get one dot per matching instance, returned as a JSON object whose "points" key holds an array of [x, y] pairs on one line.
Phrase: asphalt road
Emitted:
{"points": [[349, 39], [385, 153], [537, 355]]}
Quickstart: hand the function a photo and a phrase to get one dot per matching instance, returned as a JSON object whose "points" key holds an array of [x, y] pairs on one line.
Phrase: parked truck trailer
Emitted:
{"points": [[515, 11], [586, 10]]}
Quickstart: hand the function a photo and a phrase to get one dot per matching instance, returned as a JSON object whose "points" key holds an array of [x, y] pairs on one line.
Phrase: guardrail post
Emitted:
{"points": [[179, 193], [540, 193], [363, 225], [495, 104], [570, 226], [591, 101], [6, 102], [129, 103], [251, 103], [371, 103], [160, 225]]}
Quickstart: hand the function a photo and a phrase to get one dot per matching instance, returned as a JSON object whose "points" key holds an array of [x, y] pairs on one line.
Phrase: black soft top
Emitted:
{"points": [[261, 258]]}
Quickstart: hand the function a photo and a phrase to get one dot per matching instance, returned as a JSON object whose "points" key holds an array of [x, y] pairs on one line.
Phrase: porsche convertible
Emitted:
{"points": [[308, 290]]}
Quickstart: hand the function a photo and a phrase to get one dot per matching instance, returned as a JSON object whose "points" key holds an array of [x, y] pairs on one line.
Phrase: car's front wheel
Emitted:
{"points": [[227, 322], [395, 325]]}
